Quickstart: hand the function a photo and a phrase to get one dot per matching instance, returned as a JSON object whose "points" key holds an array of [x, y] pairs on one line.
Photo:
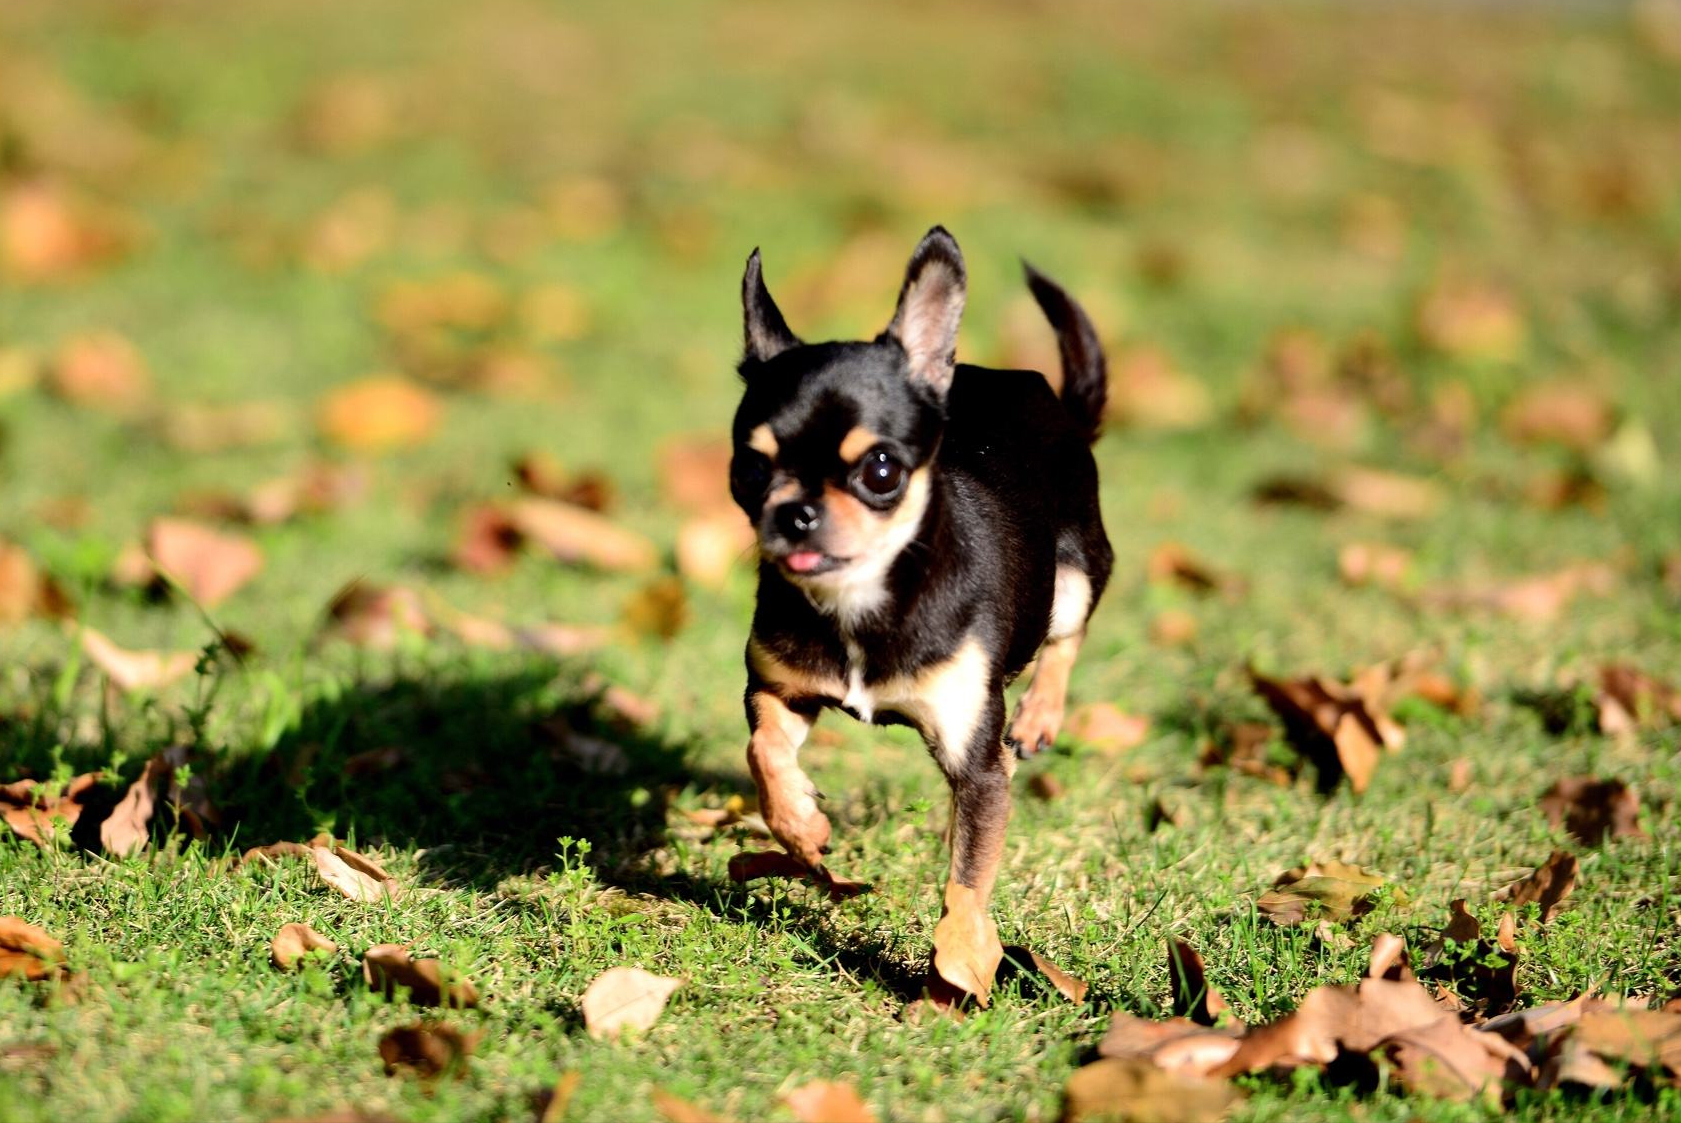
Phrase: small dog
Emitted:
{"points": [[925, 528]]}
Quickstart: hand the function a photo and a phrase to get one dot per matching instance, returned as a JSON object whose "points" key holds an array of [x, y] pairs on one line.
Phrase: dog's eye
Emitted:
{"points": [[749, 475], [880, 474]]}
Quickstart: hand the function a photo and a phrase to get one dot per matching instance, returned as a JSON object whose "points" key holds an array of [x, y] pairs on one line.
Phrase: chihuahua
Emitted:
{"points": [[925, 528]]}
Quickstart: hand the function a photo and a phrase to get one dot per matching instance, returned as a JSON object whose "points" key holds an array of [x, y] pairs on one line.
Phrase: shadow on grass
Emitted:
{"points": [[483, 772]]}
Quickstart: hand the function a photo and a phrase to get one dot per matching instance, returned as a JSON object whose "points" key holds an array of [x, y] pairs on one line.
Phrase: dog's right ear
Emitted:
{"points": [[766, 331]]}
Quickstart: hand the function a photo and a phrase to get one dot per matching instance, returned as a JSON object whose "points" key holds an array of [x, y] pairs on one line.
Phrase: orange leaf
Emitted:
{"points": [[293, 941], [136, 670], [210, 565], [828, 1101], [378, 413], [27, 951]]}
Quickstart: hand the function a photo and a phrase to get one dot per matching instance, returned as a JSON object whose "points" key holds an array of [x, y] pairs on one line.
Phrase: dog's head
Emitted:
{"points": [[835, 442]]}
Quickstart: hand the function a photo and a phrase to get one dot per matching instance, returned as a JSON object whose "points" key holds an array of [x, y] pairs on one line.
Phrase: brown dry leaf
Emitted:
{"points": [[1592, 809], [1447, 1059], [1028, 961], [551, 1103], [136, 670], [1340, 728], [1629, 699], [353, 883], [28, 952], [361, 863], [1192, 996], [828, 1101], [710, 546], [1542, 598], [659, 609], [1148, 390], [294, 941], [274, 851], [386, 967], [101, 371], [1106, 727], [1172, 564], [1647, 1039], [375, 616], [316, 488], [624, 998], [487, 539], [1176, 1045], [207, 563], [1243, 746], [25, 591], [1369, 490], [1573, 414], [1460, 773], [1486, 978], [127, 829], [695, 473], [31, 813], [573, 534], [1138, 1091], [1548, 886], [378, 413], [1046, 786], [1374, 563], [966, 947], [1389, 959], [428, 1049], [679, 1110], [1173, 627], [46, 234], [1333, 1018], [1340, 890], [1470, 319], [543, 476]]}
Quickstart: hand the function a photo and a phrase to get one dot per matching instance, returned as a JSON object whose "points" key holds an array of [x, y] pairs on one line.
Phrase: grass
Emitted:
{"points": [[1197, 173]]}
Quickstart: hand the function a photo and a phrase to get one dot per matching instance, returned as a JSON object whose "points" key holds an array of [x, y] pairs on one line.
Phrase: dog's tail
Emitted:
{"points": [[1085, 372]]}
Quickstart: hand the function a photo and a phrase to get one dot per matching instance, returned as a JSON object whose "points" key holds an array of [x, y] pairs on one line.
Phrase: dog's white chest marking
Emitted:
{"points": [[858, 700], [944, 700]]}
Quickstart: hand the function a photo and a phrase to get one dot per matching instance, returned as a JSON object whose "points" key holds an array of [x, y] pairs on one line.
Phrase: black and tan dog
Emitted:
{"points": [[925, 530]]}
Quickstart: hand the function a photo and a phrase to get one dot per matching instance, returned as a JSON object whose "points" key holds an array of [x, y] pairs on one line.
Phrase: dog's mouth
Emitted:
{"points": [[810, 563]]}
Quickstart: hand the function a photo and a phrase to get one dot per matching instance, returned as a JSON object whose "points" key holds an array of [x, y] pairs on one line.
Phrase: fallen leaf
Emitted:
{"points": [[966, 947], [1331, 1019], [624, 998], [1541, 598], [1172, 564], [1340, 728], [659, 609], [1570, 413], [25, 591], [274, 851], [207, 563], [28, 952], [379, 413], [314, 489], [1192, 996], [375, 616], [1472, 319], [136, 670], [34, 814], [1148, 390], [679, 1110], [1046, 786], [47, 234], [543, 476], [1373, 563], [1106, 727], [695, 473], [351, 882], [361, 863], [828, 1101], [1173, 627], [1176, 1045], [1368, 490], [1629, 700], [294, 941], [1548, 886], [1389, 959], [1138, 1091], [1031, 962], [1335, 890], [428, 1049], [1592, 809], [552, 1103], [573, 534], [1244, 746], [1646, 1039], [1460, 774], [1447, 1059], [1483, 972], [487, 539], [102, 371], [386, 967], [710, 546], [127, 829]]}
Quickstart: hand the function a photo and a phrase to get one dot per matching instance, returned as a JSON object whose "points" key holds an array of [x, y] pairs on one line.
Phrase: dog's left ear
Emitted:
{"points": [[766, 332], [930, 308]]}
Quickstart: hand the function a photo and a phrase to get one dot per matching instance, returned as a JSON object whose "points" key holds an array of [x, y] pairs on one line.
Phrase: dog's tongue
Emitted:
{"points": [[804, 561]]}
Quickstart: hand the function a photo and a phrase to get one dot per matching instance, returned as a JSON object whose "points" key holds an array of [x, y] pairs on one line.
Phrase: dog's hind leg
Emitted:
{"points": [[1039, 714]]}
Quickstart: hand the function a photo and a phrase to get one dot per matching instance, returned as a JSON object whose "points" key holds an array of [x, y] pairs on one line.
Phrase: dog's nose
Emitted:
{"points": [[797, 520]]}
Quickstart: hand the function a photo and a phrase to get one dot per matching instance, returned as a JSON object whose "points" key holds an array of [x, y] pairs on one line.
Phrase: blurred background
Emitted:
{"points": [[335, 276]]}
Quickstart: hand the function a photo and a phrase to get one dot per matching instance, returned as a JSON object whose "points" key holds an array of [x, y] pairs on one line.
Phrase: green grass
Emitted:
{"points": [[1234, 139]]}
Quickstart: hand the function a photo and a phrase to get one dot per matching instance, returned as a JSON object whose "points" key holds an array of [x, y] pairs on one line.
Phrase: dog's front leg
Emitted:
{"points": [[966, 947], [786, 797]]}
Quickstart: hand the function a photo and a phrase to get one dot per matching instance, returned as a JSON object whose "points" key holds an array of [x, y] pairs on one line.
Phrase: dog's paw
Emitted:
{"points": [[1035, 727]]}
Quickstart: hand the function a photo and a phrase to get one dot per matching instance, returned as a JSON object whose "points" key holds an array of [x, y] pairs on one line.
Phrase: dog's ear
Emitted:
{"points": [[766, 331], [930, 308]]}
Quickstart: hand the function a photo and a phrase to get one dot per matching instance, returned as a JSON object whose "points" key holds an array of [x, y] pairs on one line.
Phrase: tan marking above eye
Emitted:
{"points": [[857, 442], [761, 439]]}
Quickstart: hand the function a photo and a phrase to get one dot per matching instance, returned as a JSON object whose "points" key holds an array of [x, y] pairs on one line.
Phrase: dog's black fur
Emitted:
{"points": [[996, 496]]}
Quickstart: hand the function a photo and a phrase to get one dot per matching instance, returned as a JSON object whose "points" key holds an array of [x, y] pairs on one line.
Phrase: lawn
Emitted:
{"points": [[1438, 245]]}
